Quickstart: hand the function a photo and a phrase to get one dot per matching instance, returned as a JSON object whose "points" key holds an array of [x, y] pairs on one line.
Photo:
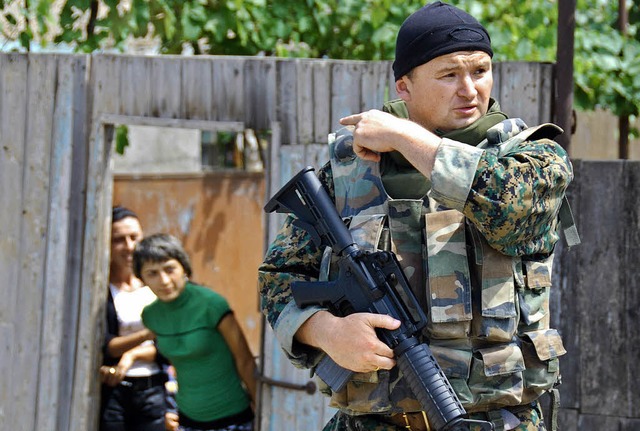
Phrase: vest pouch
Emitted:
{"points": [[534, 295], [496, 378], [456, 365], [365, 392], [541, 351], [497, 318], [449, 281]]}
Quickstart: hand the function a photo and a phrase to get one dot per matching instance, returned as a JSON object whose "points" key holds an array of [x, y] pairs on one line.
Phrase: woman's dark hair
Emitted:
{"points": [[160, 247], [119, 212]]}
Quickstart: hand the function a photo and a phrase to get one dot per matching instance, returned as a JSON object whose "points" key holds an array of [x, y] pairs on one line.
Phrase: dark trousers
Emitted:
{"points": [[130, 408]]}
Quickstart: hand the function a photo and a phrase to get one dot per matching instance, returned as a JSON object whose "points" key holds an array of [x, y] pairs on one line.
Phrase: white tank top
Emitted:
{"points": [[129, 307]]}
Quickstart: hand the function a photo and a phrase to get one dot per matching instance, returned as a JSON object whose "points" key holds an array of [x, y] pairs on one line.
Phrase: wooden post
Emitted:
{"points": [[623, 120], [564, 70]]}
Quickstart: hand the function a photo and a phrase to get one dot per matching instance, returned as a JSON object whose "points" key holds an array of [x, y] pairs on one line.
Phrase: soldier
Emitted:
{"points": [[469, 201]]}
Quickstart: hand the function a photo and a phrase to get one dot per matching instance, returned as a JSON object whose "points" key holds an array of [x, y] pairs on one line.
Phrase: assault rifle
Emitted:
{"points": [[370, 282]]}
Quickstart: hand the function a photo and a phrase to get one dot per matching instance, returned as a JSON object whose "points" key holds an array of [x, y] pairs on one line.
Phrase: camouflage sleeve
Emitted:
{"points": [[453, 173], [512, 198], [291, 256], [515, 198]]}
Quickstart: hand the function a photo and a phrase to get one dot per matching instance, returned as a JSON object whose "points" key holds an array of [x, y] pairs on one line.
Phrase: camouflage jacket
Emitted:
{"points": [[477, 250]]}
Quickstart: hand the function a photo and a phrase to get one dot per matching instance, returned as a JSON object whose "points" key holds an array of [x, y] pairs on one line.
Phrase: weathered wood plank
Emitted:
{"points": [[292, 409], [497, 81], [305, 101], [56, 293], [105, 84], [629, 424], [12, 141], [374, 85], [197, 87], [40, 96], [630, 312], [321, 101], [227, 96], [94, 274], [81, 116], [391, 82], [520, 91], [599, 422], [171, 123], [564, 307], [603, 379], [13, 118], [260, 93], [547, 93], [274, 182], [567, 420], [267, 364], [97, 231], [165, 86], [273, 221], [345, 91], [135, 85], [286, 107]]}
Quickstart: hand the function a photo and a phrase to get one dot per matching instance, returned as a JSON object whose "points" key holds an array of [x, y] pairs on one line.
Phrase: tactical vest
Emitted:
{"points": [[488, 313]]}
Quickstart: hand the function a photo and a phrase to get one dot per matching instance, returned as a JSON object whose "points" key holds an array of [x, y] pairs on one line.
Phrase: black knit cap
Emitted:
{"points": [[434, 30]]}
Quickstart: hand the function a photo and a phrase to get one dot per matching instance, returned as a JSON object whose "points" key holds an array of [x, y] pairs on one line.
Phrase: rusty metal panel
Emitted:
{"points": [[218, 217]]}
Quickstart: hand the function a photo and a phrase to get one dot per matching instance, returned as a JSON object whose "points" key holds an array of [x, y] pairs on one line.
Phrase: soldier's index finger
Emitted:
{"points": [[351, 120]]}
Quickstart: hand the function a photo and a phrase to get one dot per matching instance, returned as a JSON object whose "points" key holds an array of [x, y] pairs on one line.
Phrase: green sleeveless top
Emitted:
{"points": [[209, 387]]}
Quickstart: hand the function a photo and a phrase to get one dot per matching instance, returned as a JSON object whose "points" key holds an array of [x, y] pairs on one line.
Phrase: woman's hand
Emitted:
{"points": [[111, 375], [171, 421]]}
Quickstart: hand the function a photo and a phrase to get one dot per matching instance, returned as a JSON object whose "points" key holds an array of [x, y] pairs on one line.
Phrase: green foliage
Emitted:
{"points": [[525, 31], [606, 62], [122, 139]]}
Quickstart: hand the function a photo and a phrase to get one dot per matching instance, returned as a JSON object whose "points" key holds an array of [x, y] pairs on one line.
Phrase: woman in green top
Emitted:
{"points": [[197, 331]]}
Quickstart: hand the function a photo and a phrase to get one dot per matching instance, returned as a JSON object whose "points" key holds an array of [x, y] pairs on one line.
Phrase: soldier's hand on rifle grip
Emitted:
{"points": [[350, 341]]}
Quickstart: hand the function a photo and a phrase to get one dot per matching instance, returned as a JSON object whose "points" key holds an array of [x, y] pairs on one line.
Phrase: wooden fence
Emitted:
{"points": [[57, 117], [597, 302]]}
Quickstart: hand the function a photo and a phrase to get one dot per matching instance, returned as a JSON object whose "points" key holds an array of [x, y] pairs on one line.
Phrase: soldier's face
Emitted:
{"points": [[449, 92]]}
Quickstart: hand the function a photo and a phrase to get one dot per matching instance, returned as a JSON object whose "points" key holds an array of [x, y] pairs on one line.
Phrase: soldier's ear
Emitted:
{"points": [[403, 88]]}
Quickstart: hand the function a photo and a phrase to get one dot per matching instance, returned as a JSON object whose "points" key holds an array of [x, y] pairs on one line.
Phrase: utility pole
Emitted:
{"points": [[563, 106], [623, 121]]}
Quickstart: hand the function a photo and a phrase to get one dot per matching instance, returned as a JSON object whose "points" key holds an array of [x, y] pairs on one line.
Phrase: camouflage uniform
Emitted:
{"points": [[477, 250]]}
